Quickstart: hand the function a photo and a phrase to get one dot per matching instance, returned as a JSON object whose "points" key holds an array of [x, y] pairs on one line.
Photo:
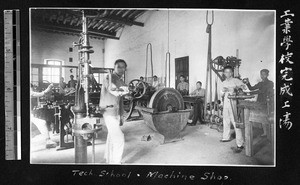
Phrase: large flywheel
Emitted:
{"points": [[166, 99]]}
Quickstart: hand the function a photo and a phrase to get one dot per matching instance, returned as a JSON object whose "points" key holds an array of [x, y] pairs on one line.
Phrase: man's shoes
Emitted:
{"points": [[191, 124], [50, 144], [238, 149], [225, 140]]}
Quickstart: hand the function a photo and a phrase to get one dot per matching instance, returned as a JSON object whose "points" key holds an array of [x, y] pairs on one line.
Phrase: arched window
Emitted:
{"points": [[54, 72]]}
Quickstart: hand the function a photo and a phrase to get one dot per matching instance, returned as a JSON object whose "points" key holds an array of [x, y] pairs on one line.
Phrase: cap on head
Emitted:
{"points": [[265, 71]]}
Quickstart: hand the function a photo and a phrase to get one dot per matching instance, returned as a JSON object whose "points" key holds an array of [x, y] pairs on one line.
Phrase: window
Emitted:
{"points": [[35, 76], [52, 74]]}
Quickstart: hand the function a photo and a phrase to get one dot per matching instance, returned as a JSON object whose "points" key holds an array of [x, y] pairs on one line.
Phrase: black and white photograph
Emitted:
{"points": [[132, 86], [149, 92]]}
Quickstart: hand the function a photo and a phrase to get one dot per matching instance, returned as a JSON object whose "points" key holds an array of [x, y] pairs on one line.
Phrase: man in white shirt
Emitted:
{"points": [[228, 87], [155, 82], [111, 102], [183, 86]]}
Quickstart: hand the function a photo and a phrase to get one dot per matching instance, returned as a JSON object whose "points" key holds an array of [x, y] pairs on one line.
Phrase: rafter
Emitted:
{"points": [[127, 22], [65, 29]]}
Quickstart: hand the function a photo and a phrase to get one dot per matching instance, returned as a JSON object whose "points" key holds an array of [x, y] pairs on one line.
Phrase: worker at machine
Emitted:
{"points": [[199, 91], [198, 105], [264, 89], [155, 83], [183, 86], [40, 123], [62, 85], [72, 82], [228, 87], [111, 102]]}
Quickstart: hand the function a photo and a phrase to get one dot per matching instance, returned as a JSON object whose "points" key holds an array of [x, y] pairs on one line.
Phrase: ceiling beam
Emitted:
{"points": [[63, 29], [36, 22], [127, 22]]}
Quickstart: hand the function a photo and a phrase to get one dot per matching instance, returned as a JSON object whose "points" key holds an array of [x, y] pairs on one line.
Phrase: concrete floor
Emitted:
{"points": [[200, 146]]}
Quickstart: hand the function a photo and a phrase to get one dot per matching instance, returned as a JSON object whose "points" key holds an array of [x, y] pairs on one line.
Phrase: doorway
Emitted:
{"points": [[181, 68]]}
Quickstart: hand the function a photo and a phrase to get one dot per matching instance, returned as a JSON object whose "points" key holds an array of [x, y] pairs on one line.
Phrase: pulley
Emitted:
{"points": [[166, 99]]}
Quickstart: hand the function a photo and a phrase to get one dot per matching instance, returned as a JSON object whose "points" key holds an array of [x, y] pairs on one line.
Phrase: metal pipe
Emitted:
{"points": [[208, 70], [169, 70], [80, 150], [209, 63], [149, 45], [86, 58], [167, 63]]}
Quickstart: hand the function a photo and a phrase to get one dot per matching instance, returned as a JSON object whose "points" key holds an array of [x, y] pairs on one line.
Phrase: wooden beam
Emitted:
{"points": [[248, 133], [68, 27], [97, 24], [107, 26], [77, 31], [119, 12], [131, 14], [116, 19], [113, 27], [111, 12], [103, 24], [127, 12], [91, 23]]}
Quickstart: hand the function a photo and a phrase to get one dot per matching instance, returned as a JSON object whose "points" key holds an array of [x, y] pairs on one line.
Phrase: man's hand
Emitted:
{"points": [[225, 89], [124, 90], [244, 87], [246, 80]]}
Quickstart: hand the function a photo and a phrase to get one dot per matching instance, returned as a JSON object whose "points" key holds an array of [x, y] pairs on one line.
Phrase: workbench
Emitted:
{"points": [[254, 112]]}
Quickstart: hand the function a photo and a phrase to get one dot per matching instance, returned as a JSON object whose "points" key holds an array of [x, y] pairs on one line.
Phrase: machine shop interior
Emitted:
{"points": [[166, 117]]}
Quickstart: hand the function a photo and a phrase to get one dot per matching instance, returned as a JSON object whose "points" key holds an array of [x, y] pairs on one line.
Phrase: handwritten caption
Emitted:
{"points": [[176, 175], [286, 69]]}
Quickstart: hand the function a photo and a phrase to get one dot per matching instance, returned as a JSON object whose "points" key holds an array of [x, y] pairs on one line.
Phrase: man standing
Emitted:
{"points": [[229, 85], [111, 102], [183, 87], [40, 123], [72, 82], [264, 89]]}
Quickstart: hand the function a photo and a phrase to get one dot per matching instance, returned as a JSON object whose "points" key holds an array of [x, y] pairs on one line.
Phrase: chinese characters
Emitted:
{"points": [[286, 71]]}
